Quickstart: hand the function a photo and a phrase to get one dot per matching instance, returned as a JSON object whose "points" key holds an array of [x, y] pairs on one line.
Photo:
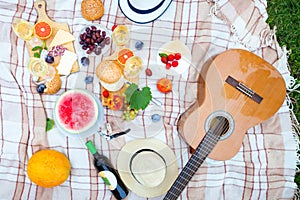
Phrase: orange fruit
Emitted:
{"points": [[124, 55], [48, 168], [43, 30]]}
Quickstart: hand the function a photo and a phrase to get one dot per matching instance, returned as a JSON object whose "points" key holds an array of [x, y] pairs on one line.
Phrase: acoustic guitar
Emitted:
{"points": [[240, 90]]}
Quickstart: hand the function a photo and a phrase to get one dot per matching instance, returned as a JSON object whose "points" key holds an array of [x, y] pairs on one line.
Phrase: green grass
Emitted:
{"points": [[285, 15]]}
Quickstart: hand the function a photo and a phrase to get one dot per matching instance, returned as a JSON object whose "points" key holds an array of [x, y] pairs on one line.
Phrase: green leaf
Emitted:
{"points": [[36, 55], [140, 99], [49, 124], [36, 48], [163, 55], [130, 90]]}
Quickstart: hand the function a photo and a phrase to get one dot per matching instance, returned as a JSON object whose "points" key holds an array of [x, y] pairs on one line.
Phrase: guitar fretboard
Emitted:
{"points": [[204, 148]]}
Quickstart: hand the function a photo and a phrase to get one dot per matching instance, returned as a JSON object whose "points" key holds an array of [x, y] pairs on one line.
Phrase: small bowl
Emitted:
{"points": [[87, 131], [92, 38]]}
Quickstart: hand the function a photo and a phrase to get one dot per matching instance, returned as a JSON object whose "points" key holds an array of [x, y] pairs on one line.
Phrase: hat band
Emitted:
{"points": [[135, 154], [145, 11]]}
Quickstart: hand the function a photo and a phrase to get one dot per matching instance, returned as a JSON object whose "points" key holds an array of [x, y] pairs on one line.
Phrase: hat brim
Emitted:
{"points": [[143, 17], [124, 167]]}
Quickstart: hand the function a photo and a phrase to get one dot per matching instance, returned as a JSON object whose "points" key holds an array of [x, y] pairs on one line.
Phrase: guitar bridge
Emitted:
{"points": [[244, 89]]}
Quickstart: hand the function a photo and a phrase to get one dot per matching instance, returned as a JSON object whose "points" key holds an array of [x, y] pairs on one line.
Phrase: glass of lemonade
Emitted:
{"points": [[39, 68], [120, 35], [23, 29]]}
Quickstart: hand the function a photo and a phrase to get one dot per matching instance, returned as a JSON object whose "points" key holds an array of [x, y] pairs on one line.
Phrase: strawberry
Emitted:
{"points": [[177, 56], [168, 65], [113, 27], [171, 57], [105, 93], [164, 59], [175, 63]]}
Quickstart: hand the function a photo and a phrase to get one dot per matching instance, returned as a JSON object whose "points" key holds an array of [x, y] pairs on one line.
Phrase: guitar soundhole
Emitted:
{"points": [[228, 123], [225, 125]]}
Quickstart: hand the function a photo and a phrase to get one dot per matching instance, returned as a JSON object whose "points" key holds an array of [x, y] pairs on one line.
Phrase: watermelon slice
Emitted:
{"points": [[77, 111]]}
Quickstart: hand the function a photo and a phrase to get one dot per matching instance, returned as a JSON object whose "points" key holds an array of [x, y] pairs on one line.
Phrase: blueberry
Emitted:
{"points": [[88, 79], [155, 117], [49, 59], [139, 45], [40, 88], [85, 61]]}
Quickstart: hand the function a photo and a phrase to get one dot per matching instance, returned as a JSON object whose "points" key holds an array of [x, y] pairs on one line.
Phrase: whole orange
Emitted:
{"points": [[48, 168]]}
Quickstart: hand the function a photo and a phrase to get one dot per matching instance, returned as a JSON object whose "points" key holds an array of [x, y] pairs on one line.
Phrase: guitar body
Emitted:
{"points": [[239, 86]]}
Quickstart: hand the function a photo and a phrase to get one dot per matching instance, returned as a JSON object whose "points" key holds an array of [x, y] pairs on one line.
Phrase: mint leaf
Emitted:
{"points": [[36, 55], [49, 124], [37, 48]]}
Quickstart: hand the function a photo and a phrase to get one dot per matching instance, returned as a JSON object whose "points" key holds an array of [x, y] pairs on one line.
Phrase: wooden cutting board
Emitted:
{"points": [[40, 7]]}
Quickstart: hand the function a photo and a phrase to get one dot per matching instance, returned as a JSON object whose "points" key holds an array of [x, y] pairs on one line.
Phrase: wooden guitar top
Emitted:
{"points": [[240, 86]]}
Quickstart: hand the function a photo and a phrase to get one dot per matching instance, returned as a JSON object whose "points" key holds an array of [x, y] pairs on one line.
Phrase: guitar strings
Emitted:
{"points": [[211, 139]]}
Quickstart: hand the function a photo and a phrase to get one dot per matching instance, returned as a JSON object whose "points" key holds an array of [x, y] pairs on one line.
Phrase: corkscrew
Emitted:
{"points": [[109, 135]]}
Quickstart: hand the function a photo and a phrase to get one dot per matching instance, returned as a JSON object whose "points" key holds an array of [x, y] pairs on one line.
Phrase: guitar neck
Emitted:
{"points": [[204, 148]]}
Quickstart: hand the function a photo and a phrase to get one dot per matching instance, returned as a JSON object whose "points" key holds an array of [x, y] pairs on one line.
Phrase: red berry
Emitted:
{"points": [[177, 56], [171, 57], [114, 26], [175, 63], [168, 65], [105, 93], [164, 59]]}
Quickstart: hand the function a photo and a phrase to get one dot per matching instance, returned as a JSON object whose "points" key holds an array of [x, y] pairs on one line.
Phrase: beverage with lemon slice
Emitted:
{"points": [[120, 35], [133, 67], [23, 29], [39, 68]]}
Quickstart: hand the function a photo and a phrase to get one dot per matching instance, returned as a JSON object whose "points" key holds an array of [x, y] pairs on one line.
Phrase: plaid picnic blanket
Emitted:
{"points": [[264, 168]]}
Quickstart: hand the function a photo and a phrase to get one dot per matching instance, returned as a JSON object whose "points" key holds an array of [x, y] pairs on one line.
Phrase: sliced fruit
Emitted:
{"points": [[116, 102], [124, 55], [164, 85], [43, 30], [76, 111]]}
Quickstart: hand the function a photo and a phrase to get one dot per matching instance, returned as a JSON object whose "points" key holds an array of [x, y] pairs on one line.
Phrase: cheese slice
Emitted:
{"points": [[66, 62], [61, 37]]}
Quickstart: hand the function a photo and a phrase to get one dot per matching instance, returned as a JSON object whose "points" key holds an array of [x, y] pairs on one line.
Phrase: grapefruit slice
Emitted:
{"points": [[43, 30], [124, 55]]}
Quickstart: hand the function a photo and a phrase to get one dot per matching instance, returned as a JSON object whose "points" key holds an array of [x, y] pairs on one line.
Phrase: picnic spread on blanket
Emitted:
{"points": [[144, 100]]}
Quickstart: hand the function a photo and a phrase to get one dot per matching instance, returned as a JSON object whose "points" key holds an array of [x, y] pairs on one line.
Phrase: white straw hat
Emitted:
{"points": [[148, 167], [143, 11]]}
